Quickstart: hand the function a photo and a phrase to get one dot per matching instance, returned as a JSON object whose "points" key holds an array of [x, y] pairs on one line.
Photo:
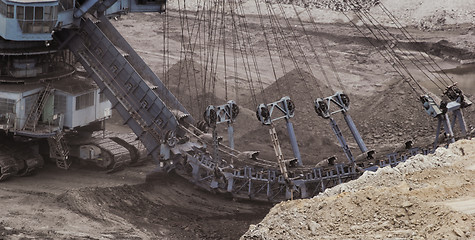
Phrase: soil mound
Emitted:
{"points": [[193, 85], [419, 199], [394, 115], [314, 134]]}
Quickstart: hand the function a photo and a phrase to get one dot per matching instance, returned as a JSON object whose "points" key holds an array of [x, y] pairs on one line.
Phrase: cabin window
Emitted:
{"points": [[59, 104], [38, 13], [48, 13], [29, 13], [3, 8], [20, 12], [10, 11], [7, 105], [37, 19], [84, 101]]}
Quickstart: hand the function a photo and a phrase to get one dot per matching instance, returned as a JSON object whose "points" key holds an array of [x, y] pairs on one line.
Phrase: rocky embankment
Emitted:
{"points": [[427, 197]]}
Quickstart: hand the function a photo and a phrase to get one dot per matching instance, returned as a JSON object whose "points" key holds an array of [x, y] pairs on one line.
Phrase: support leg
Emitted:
{"points": [[293, 141], [231, 135], [215, 144], [448, 129], [342, 141], [278, 152], [356, 134], [463, 125], [437, 133]]}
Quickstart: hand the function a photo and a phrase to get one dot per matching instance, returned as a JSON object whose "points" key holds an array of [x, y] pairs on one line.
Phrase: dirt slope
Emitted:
{"points": [[427, 197]]}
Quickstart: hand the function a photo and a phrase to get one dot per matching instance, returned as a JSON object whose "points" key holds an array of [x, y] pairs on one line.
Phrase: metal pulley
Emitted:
{"points": [[344, 100], [263, 114], [321, 108], [431, 107], [170, 138], [233, 109], [210, 116], [202, 126], [289, 105], [323, 105], [455, 94]]}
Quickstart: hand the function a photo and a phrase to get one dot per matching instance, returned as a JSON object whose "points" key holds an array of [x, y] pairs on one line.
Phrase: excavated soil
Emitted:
{"points": [[426, 198]]}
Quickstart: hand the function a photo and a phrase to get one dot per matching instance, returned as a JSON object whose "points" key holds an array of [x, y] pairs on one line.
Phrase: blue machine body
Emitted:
{"points": [[36, 20]]}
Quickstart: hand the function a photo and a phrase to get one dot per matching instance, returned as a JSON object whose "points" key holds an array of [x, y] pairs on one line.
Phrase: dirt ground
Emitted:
{"points": [[89, 204]]}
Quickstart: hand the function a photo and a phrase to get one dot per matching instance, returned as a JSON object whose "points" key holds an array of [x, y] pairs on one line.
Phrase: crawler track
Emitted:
{"points": [[18, 160]]}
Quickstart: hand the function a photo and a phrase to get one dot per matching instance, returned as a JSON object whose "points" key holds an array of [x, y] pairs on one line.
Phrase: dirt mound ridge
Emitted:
{"points": [[394, 115], [98, 202], [336, 5], [419, 199], [168, 207], [192, 84], [314, 135]]}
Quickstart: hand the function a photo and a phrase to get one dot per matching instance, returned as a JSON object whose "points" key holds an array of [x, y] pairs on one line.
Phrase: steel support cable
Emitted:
{"points": [[243, 53], [247, 51], [325, 50], [235, 54], [320, 64], [221, 38], [164, 26], [187, 51], [302, 52], [223, 35], [217, 42], [390, 52], [197, 22], [385, 39], [253, 53], [167, 53], [182, 48], [407, 54], [205, 45], [278, 45], [198, 43], [427, 58], [396, 68], [286, 43], [214, 61], [259, 12], [209, 54], [208, 45], [235, 61], [431, 61]]}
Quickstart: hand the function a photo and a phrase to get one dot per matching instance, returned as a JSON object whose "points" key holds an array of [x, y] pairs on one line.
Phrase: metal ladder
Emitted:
{"points": [[37, 109], [59, 151]]}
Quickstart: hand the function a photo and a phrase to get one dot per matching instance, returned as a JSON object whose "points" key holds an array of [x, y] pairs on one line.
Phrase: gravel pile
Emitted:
{"points": [[427, 197], [336, 5]]}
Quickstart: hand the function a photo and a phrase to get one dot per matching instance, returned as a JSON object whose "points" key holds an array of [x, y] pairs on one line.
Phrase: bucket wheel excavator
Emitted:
{"points": [[46, 100]]}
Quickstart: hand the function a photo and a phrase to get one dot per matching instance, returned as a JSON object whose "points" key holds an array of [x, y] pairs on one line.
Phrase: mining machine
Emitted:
{"points": [[64, 67], [50, 107]]}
